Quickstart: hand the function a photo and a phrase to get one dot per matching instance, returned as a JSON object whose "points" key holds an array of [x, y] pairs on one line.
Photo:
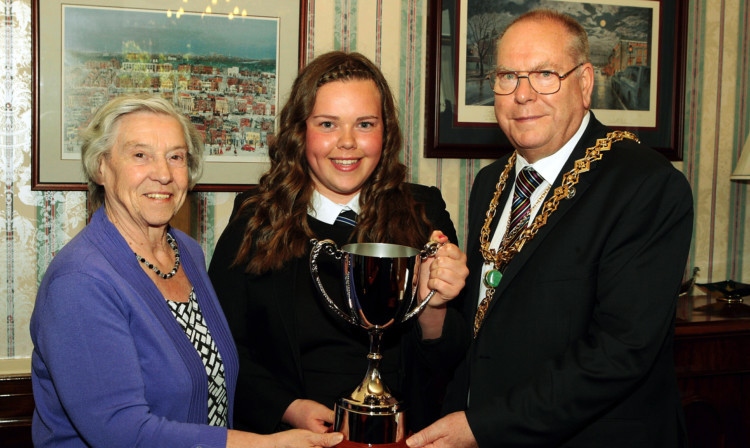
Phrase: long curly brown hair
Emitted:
{"points": [[278, 230]]}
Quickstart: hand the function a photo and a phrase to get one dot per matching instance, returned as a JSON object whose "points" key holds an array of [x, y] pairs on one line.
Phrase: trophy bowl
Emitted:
{"points": [[380, 287]]}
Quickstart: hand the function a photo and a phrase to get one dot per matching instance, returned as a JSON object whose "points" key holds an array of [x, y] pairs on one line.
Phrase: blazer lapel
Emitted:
{"points": [[284, 283]]}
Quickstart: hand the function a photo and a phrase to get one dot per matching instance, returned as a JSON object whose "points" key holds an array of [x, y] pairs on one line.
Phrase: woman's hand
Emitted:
{"points": [[293, 438], [308, 414], [447, 276]]}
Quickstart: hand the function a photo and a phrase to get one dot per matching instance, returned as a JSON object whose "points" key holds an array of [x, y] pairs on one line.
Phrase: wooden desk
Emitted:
{"points": [[16, 407], [712, 360]]}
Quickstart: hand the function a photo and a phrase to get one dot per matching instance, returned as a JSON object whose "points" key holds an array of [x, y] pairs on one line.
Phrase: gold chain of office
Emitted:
{"points": [[501, 257]]}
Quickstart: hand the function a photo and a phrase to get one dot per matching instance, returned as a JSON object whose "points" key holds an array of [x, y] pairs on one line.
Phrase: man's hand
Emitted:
{"points": [[451, 431]]}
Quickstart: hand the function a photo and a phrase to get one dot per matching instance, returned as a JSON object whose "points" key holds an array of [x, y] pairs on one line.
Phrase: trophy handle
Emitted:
{"points": [[430, 249], [331, 249]]}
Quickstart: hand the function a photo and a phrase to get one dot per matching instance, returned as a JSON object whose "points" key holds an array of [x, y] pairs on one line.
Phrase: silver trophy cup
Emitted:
{"points": [[380, 283]]}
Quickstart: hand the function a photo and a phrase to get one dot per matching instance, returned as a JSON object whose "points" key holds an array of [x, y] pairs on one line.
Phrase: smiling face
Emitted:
{"points": [[145, 174], [344, 137], [539, 125]]}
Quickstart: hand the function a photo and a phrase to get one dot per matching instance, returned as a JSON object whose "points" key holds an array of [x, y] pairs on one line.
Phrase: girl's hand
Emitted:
{"points": [[445, 273]]}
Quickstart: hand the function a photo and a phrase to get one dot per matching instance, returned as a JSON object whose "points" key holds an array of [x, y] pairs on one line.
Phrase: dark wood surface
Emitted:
{"points": [[712, 360], [16, 407]]}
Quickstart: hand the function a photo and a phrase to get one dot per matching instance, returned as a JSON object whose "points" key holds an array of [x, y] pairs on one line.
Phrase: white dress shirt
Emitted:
{"points": [[549, 168]]}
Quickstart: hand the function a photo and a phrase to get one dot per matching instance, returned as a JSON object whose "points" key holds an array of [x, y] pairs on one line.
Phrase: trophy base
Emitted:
{"points": [[350, 444], [370, 426]]}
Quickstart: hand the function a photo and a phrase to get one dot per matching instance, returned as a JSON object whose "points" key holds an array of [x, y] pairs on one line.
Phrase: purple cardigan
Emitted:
{"points": [[111, 366]]}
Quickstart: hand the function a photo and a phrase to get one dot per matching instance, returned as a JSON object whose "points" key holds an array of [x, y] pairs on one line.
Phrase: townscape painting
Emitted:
{"points": [[222, 69], [229, 93], [621, 35], [637, 50]]}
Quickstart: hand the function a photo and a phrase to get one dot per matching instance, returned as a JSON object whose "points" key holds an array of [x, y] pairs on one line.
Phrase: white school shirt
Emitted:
{"points": [[325, 210]]}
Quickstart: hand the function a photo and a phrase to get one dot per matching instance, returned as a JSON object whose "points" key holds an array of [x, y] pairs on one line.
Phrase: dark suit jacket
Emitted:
{"points": [[576, 349], [260, 315]]}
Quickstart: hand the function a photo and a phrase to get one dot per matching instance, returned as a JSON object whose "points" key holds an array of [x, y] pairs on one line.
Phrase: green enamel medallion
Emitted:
{"points": [[492, 278]]}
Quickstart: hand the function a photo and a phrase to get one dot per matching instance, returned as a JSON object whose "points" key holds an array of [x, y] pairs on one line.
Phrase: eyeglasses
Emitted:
{"points": [[545, 82]]}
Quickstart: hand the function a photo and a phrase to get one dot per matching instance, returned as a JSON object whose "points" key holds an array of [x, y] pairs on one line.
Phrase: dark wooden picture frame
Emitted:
{"points": [[446, 138], [51, 171]]}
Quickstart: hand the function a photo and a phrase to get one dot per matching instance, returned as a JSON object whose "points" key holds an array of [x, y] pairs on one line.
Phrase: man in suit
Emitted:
{"points": [[572, 293]]}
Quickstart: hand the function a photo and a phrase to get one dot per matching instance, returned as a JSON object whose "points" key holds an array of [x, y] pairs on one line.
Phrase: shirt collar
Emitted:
{"points": [[325, 210], [549, 167]]}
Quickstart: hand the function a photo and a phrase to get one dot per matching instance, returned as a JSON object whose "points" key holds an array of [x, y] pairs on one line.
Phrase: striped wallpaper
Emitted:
{"points": [[391, 32]]}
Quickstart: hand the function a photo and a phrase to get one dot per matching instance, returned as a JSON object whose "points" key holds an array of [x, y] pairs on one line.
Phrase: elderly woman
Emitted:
{"points": [[131, 347]]}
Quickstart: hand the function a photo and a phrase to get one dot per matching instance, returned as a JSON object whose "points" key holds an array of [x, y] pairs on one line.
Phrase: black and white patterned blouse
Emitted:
{"points": [[190, 318]]}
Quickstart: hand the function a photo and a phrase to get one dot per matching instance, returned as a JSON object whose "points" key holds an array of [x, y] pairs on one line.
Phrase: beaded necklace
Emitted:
{"points": [[500, 258], [151, 266]]}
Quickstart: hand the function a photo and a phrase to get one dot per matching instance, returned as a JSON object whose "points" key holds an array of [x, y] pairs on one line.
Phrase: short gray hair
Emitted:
{"points": [[99, 137], [578, 46]]}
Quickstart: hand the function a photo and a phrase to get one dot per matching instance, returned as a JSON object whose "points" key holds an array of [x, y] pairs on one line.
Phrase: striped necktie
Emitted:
{"points": [[346, 218], [526, 182]]}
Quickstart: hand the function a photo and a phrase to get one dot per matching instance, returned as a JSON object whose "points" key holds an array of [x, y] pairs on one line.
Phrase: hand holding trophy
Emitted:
{"points": [[380, 284]]}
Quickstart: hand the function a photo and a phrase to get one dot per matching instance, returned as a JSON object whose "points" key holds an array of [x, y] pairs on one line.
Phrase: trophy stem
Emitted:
{"points": [[372, 391], [375, 338], [371, 416]]}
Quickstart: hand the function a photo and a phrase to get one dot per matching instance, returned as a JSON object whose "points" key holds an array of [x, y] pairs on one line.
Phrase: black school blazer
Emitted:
{"points": [[259, 312]]}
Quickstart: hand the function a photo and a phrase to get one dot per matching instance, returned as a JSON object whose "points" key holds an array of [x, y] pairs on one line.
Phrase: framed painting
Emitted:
{"points": [[637, 49], [227, 67]]}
